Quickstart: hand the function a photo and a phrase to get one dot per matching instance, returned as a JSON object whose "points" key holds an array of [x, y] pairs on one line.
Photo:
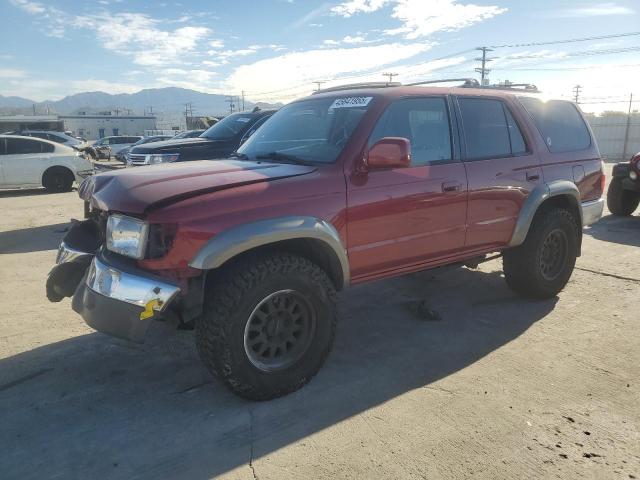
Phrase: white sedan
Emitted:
{"points": [[33, 162]]}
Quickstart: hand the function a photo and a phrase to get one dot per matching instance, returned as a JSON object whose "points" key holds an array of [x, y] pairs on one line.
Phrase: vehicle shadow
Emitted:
{"points": [[614, 229], [22, 192], [33, 239], [97, 407]]}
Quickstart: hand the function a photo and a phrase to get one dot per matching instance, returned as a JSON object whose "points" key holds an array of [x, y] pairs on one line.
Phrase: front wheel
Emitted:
{"points": [[268, 324], [542, 265], [57, 179], [620, 201]]}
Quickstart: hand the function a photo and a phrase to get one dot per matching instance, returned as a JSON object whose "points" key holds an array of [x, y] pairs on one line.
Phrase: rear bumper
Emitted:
{"points": [[592, 211], [119, 302]]}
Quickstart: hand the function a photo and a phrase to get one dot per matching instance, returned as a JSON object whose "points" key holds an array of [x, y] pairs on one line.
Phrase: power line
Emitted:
{"points": [[571, 40]]}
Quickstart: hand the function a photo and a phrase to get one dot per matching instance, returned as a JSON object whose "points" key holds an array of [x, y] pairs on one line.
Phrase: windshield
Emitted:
{"points": [[313, 131], [229, 126]]}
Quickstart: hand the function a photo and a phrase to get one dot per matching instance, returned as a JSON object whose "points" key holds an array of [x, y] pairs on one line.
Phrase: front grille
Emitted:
{"points": [[137, 159]]}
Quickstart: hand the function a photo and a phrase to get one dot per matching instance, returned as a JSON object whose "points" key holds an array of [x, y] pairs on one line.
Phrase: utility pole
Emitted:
{"points": [[243, 100], [188, 112], [626, 132], [390, 75], [483, 70], [230, 102], [576, 93], [318, 84], [150, 107]]}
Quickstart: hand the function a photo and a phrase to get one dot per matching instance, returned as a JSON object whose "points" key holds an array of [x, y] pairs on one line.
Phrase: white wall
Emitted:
{"points": [[89, 126], [609, 131]]}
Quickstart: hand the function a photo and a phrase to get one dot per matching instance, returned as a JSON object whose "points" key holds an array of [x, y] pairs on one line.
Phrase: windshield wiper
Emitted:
{"points": [[239, 156], [283, 157]]}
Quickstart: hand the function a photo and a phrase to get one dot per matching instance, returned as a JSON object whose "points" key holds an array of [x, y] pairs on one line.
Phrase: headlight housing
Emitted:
{"points": [[127, 235], [156, 158]]}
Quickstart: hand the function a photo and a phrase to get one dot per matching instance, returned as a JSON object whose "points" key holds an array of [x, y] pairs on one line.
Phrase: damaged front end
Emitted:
{"points": [[110, 292]]}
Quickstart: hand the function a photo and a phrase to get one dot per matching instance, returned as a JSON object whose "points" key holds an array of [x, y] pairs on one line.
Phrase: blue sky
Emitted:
{"points": [[275, 49]]}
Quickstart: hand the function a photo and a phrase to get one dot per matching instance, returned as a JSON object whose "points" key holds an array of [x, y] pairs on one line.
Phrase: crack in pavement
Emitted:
{"points": [[251, 421], [24, 379], [612, 275]]}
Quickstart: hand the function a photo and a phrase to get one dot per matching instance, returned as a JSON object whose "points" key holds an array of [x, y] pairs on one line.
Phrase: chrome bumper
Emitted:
{"points": [[592, 211], [148, 293]]}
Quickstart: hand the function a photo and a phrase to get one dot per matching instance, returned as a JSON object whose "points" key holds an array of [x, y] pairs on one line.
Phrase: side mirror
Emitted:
{"points": [[389, 152]]}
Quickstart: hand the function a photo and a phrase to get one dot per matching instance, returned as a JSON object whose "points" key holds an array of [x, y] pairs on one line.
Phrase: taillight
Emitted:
{"points": [[603, 181], [635, 162]]}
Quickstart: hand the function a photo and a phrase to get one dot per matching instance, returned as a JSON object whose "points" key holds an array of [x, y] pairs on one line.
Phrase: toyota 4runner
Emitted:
{"points": [[347, 186]]}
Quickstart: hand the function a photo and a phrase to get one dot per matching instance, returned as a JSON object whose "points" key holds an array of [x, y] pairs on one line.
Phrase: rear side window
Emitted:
{"points": [[424, 121], [485, 128], [21, 146], [559, 123]]}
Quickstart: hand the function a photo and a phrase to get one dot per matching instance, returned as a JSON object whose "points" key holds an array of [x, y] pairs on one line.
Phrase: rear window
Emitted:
{"points": [[559, 123]]}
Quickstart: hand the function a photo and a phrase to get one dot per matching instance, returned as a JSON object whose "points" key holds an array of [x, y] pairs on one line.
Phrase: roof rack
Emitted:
{"points": [[467, 82], [523, 87], [354, 86]]}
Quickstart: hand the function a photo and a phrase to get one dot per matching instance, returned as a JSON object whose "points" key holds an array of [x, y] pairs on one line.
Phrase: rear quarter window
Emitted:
{"points": [[560, 124]]}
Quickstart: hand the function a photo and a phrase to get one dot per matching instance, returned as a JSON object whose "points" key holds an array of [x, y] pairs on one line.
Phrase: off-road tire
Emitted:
{"points": [[230, 299], [620, 201], [522, 265], [57, 180]]}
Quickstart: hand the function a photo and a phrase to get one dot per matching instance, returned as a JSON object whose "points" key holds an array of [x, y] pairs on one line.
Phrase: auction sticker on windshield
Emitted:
{"points": [[350, 102]]}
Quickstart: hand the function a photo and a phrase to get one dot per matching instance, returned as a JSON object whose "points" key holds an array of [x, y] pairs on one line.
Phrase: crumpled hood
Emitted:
{"points": [[136, 190]]}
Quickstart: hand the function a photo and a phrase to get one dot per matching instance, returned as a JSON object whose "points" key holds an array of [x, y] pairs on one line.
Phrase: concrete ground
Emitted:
{"points": [[499, 387]]}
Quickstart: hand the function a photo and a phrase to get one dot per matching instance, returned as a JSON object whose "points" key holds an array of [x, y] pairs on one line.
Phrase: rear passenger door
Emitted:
{"points": [[25, 161], [402, 218], [501, 167]]}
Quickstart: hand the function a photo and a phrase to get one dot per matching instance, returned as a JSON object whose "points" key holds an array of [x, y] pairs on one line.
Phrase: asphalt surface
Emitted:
{"points": [[442, 374]]}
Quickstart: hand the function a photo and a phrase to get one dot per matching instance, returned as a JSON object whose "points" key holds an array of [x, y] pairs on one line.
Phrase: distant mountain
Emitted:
{"points": [[15, 102], [170, 99]]}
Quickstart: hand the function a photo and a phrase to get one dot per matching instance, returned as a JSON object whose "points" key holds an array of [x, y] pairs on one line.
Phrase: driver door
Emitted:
{"points": [[402, 218]]}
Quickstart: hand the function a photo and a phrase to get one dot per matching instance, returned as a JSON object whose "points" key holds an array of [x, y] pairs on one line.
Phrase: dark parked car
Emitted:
{"points": [[122, 154], [219, 141], [623, 196], [189, 134]]}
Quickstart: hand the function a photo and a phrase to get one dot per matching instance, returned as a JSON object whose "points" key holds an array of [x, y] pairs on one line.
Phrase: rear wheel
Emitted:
{"points": [[57, 179], [268, 325], [621, 201], [542, 265]]}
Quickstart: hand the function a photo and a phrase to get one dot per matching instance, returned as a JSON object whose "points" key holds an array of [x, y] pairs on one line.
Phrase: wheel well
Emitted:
{"points": [[569, 203], [55, 169], [314, 250]]}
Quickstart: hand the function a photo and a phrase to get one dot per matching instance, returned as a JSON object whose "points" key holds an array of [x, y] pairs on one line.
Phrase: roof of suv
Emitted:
{"points": [[397, 91]]}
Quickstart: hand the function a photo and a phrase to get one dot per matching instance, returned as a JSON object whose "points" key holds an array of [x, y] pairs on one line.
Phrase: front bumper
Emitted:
{"points": [[118, 302], [112, 295], [592, 211]]}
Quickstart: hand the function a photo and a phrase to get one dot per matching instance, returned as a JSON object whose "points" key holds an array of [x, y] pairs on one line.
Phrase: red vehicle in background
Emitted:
{"points": [[350, 185]]}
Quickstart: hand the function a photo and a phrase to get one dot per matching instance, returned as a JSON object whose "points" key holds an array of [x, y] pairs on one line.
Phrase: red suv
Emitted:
{"points": [[343, 187]]}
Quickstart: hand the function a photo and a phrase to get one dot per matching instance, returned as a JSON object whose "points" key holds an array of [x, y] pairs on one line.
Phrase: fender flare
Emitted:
{"points": [[230, 243], [537, 197]]}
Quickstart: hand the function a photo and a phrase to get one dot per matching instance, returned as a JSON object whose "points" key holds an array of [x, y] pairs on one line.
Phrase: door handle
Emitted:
{"points": [[533, 177], [451, 187]]}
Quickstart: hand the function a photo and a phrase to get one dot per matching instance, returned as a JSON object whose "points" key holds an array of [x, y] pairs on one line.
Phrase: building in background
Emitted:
{"points": [[87, 126], [12, 123], [93, 127]]}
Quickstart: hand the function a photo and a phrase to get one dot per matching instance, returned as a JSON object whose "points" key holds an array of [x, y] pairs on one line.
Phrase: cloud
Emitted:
{"points": [[94, 85], [140, 37], [12, 73], [293, 69], [420, 18], [595, 10], [32, 8], [357, 39]]}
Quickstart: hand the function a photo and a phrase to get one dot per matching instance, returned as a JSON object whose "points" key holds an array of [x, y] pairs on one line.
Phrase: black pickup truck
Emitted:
{"points": [[219, 141]]}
